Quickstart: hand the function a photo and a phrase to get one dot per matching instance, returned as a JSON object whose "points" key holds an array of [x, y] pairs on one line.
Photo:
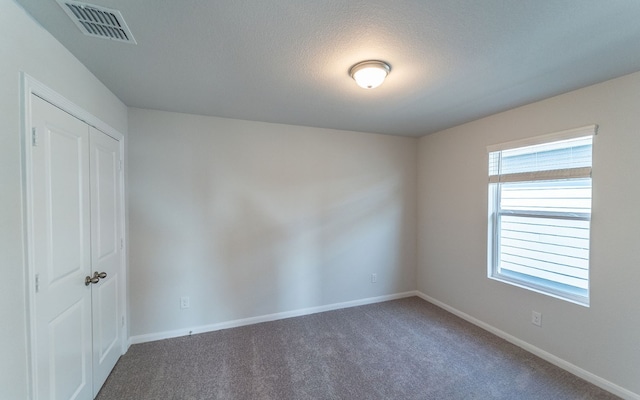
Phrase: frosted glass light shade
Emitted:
{"points": [[370, 74]]}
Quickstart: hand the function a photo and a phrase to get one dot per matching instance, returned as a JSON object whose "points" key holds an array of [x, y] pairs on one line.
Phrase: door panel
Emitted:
{"points": [[106, 257], [105, 163], [106, 335], [60, 210], [67, 368], [66, 191]]}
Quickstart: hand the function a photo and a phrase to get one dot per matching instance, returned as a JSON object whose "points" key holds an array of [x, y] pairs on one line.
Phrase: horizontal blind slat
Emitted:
{"points": [[563, 279], [543, 247], [562, 241], [555, 261]]}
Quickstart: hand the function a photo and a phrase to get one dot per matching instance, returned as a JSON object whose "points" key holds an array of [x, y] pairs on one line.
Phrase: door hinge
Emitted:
{"points": [[37, 283], [34, 136], [121, 165], [121, 243]]}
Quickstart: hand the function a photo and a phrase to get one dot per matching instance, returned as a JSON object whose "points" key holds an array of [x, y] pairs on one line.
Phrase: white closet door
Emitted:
{"points": [[76, 233], [61, 253], [106, 253]]}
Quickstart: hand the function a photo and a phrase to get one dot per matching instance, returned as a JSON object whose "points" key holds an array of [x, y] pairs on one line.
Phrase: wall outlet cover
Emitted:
{"points": [[536, 318], [184, 302]]}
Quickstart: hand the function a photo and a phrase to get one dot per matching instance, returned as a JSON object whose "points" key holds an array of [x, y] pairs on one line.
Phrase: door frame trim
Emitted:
{"points": [[31, 86]]}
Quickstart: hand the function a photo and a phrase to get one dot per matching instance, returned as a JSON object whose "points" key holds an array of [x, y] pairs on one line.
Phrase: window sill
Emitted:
{"points": [[575, 299]]}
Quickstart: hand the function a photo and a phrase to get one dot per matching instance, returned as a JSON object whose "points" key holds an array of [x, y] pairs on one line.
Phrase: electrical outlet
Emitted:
{"points": [[536, 318], [374, 278], [184, 302]]}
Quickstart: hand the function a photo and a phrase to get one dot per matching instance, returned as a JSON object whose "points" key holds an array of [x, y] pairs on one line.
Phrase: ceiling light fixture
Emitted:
{"points": [[370, 74]]}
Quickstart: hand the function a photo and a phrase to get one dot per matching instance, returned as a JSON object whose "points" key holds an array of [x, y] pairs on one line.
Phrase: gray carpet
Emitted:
{"points": [[402, 349]]}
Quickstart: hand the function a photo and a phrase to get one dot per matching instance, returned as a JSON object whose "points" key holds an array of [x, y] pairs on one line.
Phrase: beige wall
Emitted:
{"points": [[250, 218], [26, 47], [452, 268]]}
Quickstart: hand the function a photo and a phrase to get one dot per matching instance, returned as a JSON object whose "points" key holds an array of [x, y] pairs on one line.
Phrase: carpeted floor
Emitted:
{"points": [[402, 349]]}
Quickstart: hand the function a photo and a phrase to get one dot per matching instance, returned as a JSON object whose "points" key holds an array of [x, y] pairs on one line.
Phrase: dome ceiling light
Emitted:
{"points": [[370, 74]]}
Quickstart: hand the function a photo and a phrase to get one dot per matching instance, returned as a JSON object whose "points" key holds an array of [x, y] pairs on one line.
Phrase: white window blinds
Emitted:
{"points": [[564, 155]]}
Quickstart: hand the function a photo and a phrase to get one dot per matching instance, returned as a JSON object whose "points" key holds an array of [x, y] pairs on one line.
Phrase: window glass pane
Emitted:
{"points": [[547, 248], [572, 157], [573, 153], [569, 196]]}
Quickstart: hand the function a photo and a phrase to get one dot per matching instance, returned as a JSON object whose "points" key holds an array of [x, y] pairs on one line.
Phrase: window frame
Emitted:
{"points": [[495, 215]]}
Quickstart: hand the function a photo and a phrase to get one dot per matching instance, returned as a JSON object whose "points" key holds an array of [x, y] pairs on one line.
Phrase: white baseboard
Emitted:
{"points": [[584, 374], [150, 337]]}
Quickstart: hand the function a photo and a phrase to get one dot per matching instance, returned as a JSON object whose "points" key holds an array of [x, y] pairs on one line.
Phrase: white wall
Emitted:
{"points": [[604, 338], [25, 46], [250, 218]]}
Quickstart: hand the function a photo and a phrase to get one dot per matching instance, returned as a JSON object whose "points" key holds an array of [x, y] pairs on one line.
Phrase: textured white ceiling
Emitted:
{"points": [[286, 61]]}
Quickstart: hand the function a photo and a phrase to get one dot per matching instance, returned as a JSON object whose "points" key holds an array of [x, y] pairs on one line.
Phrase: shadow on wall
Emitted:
{"points": [[264, 235], [274, 258]]}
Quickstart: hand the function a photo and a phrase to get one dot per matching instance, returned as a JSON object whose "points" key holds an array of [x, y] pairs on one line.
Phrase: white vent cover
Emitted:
{"points": [[98, 21]]}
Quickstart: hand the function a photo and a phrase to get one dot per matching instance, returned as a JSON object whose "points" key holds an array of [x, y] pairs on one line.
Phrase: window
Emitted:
{"points": [[540, 213]]}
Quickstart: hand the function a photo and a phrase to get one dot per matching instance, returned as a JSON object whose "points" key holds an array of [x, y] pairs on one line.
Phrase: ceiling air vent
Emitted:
{"points": [[98, 21]]}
